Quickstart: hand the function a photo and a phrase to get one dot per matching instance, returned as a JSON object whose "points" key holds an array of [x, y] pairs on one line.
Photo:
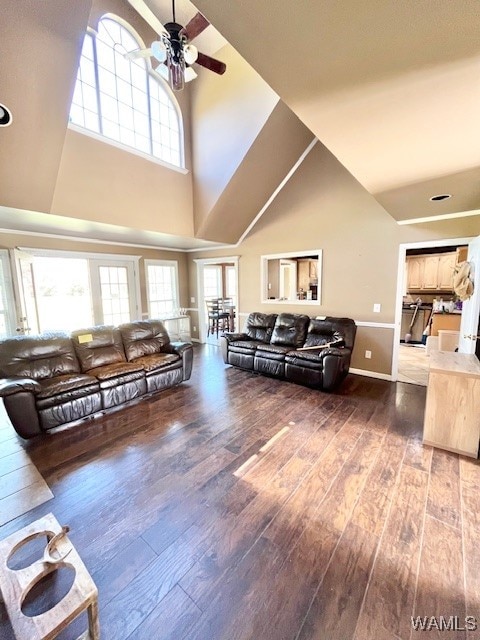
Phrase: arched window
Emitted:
{"points": [[125, 100]]}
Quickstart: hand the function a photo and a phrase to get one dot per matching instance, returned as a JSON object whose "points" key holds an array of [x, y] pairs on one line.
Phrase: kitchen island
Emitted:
{"points": [[452, 419]]}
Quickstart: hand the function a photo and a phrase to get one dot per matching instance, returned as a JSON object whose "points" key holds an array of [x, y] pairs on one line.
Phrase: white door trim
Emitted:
{"points": [[201, 262], [402, 255]]}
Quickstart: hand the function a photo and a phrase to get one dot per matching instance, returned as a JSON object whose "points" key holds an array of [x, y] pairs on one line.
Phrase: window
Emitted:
{"points": [[231, 282], [162, 288], [125, 100], [212, 281], [63, 290]]}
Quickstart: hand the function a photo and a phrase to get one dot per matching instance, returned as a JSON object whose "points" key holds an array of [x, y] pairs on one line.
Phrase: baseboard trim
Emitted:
{"points": [[371, 374]]}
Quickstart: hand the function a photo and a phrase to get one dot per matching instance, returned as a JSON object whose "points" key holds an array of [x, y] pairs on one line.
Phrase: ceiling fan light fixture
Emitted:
{"points": [[190, 53], [190, 74], [159, 50], [176, 72]]}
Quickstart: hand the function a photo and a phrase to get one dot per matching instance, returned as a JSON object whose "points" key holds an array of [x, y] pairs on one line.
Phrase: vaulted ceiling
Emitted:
{"points": [[391, 88]]}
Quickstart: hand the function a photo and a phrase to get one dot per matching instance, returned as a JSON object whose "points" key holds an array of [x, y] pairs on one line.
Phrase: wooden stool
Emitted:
{"points": [[15, 585]]}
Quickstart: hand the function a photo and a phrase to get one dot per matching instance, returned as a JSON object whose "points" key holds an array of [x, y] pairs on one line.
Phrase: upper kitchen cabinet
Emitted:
{"points": [[415, 269], [446, 268], [432, 272]]}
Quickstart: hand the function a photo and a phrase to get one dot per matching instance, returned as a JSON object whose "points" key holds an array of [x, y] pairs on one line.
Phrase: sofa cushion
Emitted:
{"points": [[274, 351], [38, 357], [63, 384], [157, 361], [110, 371], [143, 338], [63, 395], [259, 326], [290, 330], [245, 346], [98, 346]]}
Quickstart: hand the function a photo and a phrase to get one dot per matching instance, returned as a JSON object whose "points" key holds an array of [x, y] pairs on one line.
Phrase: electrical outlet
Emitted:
{"points": [[194, 328], [192, 300], [377, 307], [368, 354]]}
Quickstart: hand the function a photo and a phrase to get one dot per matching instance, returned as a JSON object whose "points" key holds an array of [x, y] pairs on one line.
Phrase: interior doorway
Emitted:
{"points": [[217, 280], [424, 304]]}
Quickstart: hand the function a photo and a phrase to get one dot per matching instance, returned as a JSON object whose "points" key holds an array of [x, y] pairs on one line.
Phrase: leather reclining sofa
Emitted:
{"points": [[274, 345], [53, 379]]}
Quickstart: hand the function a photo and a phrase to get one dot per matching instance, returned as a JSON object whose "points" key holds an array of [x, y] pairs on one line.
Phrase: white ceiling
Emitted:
{"points": [[391, 88]]}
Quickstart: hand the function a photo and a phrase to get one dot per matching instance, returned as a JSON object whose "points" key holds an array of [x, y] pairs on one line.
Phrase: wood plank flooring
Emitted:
{"points": [[343, 527], [22, 487]]}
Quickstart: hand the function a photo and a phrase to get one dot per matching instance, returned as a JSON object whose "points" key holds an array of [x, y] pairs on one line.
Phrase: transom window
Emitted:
{"points": [[125, 100]]}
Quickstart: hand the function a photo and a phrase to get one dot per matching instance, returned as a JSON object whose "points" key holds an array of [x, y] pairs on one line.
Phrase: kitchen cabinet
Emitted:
{"points": [[462, 253], [452, 420], [415, 268], [431, 272], [446, 266]]}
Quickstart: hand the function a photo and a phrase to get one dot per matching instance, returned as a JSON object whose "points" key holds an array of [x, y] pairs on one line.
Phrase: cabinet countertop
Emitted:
{"points": [[461, 364]]}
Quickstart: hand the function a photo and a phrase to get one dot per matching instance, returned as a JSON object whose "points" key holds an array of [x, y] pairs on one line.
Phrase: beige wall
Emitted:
{"points": [[99, 182], [324, 207], [40, 44], [12, 240], [46, 167], [228, 112]]}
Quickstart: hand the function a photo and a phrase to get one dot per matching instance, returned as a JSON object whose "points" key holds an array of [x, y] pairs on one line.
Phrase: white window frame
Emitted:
{"points": [[176, 289], [150, 74], [9, 300], [95, 260]]}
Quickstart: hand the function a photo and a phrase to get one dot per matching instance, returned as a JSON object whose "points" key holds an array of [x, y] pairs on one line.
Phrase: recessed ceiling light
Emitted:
{"points": [[5, 116], [441, 196]]}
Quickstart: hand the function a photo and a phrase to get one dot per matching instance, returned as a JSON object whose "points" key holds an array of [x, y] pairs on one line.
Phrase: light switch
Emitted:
{"points": [[377, 307], [368, 354], [192, 300]]}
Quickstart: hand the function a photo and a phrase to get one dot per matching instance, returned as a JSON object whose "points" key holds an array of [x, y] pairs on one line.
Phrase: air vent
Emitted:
{"points": [[442, 196]]}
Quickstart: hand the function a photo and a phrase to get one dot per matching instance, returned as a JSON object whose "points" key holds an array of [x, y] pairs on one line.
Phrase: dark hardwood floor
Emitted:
{"points": [[342, 527]]}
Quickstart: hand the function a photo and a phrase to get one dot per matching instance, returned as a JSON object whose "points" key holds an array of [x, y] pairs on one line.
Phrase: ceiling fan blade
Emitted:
{"points": [[210, 63], [138, 53], [148, 15], [195, 27]]}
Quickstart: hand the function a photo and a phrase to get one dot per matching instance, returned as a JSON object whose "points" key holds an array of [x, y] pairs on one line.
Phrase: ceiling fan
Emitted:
{"points": [[173, 49]]}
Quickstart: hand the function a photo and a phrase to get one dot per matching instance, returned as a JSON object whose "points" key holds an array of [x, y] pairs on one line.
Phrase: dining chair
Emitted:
{"points": [[216, 316]]}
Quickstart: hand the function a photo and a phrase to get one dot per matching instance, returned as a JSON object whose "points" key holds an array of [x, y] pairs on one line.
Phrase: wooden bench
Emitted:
{"points": [[15, 584]]}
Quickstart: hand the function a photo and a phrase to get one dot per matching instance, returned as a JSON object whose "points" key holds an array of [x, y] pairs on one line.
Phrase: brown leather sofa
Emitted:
{"points": [[51, 380], [291, 346]]}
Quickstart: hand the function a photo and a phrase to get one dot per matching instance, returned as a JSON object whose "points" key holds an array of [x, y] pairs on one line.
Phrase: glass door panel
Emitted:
{"points": [[26, 295], [7, 301], [116, 300], [64, 298]]}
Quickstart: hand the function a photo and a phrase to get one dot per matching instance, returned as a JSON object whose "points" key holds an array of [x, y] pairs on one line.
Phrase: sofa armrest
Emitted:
{"points": [[336, 362], [185, 350], [9, 386], [18, 395]]}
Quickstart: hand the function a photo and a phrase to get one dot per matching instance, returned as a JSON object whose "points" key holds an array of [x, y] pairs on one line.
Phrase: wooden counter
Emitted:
{"points": [[452, 411]]}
